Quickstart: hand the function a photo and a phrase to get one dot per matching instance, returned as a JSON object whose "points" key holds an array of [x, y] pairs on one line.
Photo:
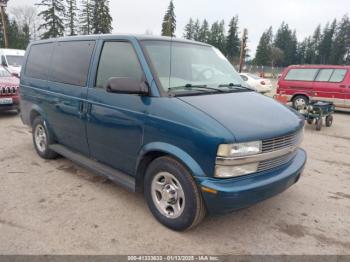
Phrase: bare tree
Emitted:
{"points": [[276, 55], [27, 15]]}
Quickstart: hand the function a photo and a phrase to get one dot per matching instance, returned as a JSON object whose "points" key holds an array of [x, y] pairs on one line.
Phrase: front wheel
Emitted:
{"points": [[172, 195]]}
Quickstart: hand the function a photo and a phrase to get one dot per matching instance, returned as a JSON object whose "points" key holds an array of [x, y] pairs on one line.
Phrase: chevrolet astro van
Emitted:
{"points": [[167, 117]]}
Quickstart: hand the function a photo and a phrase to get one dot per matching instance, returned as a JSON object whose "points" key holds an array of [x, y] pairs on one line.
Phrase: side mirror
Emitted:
{"points": [[126, 85]]}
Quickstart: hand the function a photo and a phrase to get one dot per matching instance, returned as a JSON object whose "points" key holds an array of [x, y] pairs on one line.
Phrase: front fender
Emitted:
{"points": [[174, 151]]}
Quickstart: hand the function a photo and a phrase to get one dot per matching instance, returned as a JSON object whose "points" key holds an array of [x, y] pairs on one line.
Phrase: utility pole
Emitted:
{"points": [[243, 48], [3, 4]]}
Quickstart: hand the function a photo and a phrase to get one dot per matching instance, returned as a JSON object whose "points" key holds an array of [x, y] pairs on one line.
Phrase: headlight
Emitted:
{"points": [[239, 149], [234, 171], [231, 151]]}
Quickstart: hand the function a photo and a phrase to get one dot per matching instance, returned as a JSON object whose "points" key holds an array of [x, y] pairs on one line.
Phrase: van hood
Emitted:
{"points": [[9, 81], [248, 115]]}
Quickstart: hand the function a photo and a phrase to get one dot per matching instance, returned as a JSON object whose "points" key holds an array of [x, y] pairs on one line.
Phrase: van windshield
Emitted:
{"points": [[4, 72], [188, 67], [14, 60]]}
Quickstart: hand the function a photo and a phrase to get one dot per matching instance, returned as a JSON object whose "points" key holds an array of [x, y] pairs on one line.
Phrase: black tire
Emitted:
{"points": [[310, 121], [300, 99], [319, 124], [193, 210], [43, 151], [329, 120]]}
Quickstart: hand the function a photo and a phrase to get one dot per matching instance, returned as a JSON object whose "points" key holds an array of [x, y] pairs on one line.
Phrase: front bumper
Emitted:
{"points": [[9, 107], [240, 192], [13, 106]]}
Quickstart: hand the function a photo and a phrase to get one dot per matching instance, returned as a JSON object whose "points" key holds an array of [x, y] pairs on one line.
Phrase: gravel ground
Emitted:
{"points": [[56, 207]]}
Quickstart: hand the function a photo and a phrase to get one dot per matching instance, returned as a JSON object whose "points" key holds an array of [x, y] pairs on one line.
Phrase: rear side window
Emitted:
{"points": [[118, 59], [304, 74], [38, 61], [71, 62], [324, 75], [338, 75]]}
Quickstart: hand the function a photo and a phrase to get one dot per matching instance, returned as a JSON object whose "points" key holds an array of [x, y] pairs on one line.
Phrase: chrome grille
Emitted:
{"points": [[8, 90], [275, 162], [281, 142]]}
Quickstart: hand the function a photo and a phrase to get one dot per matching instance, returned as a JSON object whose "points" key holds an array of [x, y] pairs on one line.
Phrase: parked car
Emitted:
{"points": [[12, 60], [261, 85], [193, 139], [9, 98], [301, 84]]}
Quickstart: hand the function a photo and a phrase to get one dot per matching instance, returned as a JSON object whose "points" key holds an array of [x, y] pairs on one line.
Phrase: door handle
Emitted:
{"points": [[81, 106], [342, 85], [88, 108], [81, 110]]}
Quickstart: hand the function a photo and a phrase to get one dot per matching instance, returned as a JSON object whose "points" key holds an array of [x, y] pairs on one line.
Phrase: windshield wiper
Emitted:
{"points": [[196, 87], [235, 86]]}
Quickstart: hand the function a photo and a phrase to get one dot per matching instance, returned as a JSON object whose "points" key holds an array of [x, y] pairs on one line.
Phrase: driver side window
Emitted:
{"points": [[118, 59]]}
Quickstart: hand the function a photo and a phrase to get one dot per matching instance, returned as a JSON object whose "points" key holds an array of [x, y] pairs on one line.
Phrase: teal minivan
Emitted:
{"points": [[167, 117]]}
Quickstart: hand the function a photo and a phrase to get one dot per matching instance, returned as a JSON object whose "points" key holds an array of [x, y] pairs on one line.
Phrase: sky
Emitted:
{"points": [[139, 16]]}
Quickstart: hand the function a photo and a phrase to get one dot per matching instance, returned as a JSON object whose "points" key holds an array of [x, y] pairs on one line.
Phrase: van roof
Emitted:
{"points": [[318, 66], [116, 37]]}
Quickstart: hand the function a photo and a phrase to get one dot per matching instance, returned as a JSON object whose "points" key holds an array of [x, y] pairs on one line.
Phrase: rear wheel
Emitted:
{"points": [[329, 120], [42, 139], [172, 195], [300, 102], [319, 124]]}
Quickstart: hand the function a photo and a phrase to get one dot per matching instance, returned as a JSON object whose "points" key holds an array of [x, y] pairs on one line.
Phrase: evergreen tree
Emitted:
{"points": [[340, 53], [196, 30], [188, 34], [325, 46], [71, 17], [13, 34], [217, 35], [309, 50], [26, 36], [287, 42], [102, 19], [316, 40], [264, 49], [86, 17], [204, 33], [232, 40], [52, 16], [301, 52], [18, 37], [169, 21]]}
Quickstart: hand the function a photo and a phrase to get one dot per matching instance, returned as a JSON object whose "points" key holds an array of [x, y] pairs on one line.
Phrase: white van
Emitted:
{"points": [[12, 60]]}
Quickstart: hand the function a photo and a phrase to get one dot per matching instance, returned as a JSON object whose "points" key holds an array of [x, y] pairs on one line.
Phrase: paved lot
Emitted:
{"points": [[56, 207]]}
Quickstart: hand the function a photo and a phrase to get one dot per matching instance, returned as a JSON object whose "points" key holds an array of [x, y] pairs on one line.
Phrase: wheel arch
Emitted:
{"points": [[33, 114], [155, 150]]}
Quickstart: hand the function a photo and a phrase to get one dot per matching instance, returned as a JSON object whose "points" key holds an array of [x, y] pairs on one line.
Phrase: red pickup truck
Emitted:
{"points": [[9, 97], [303, 83]]}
